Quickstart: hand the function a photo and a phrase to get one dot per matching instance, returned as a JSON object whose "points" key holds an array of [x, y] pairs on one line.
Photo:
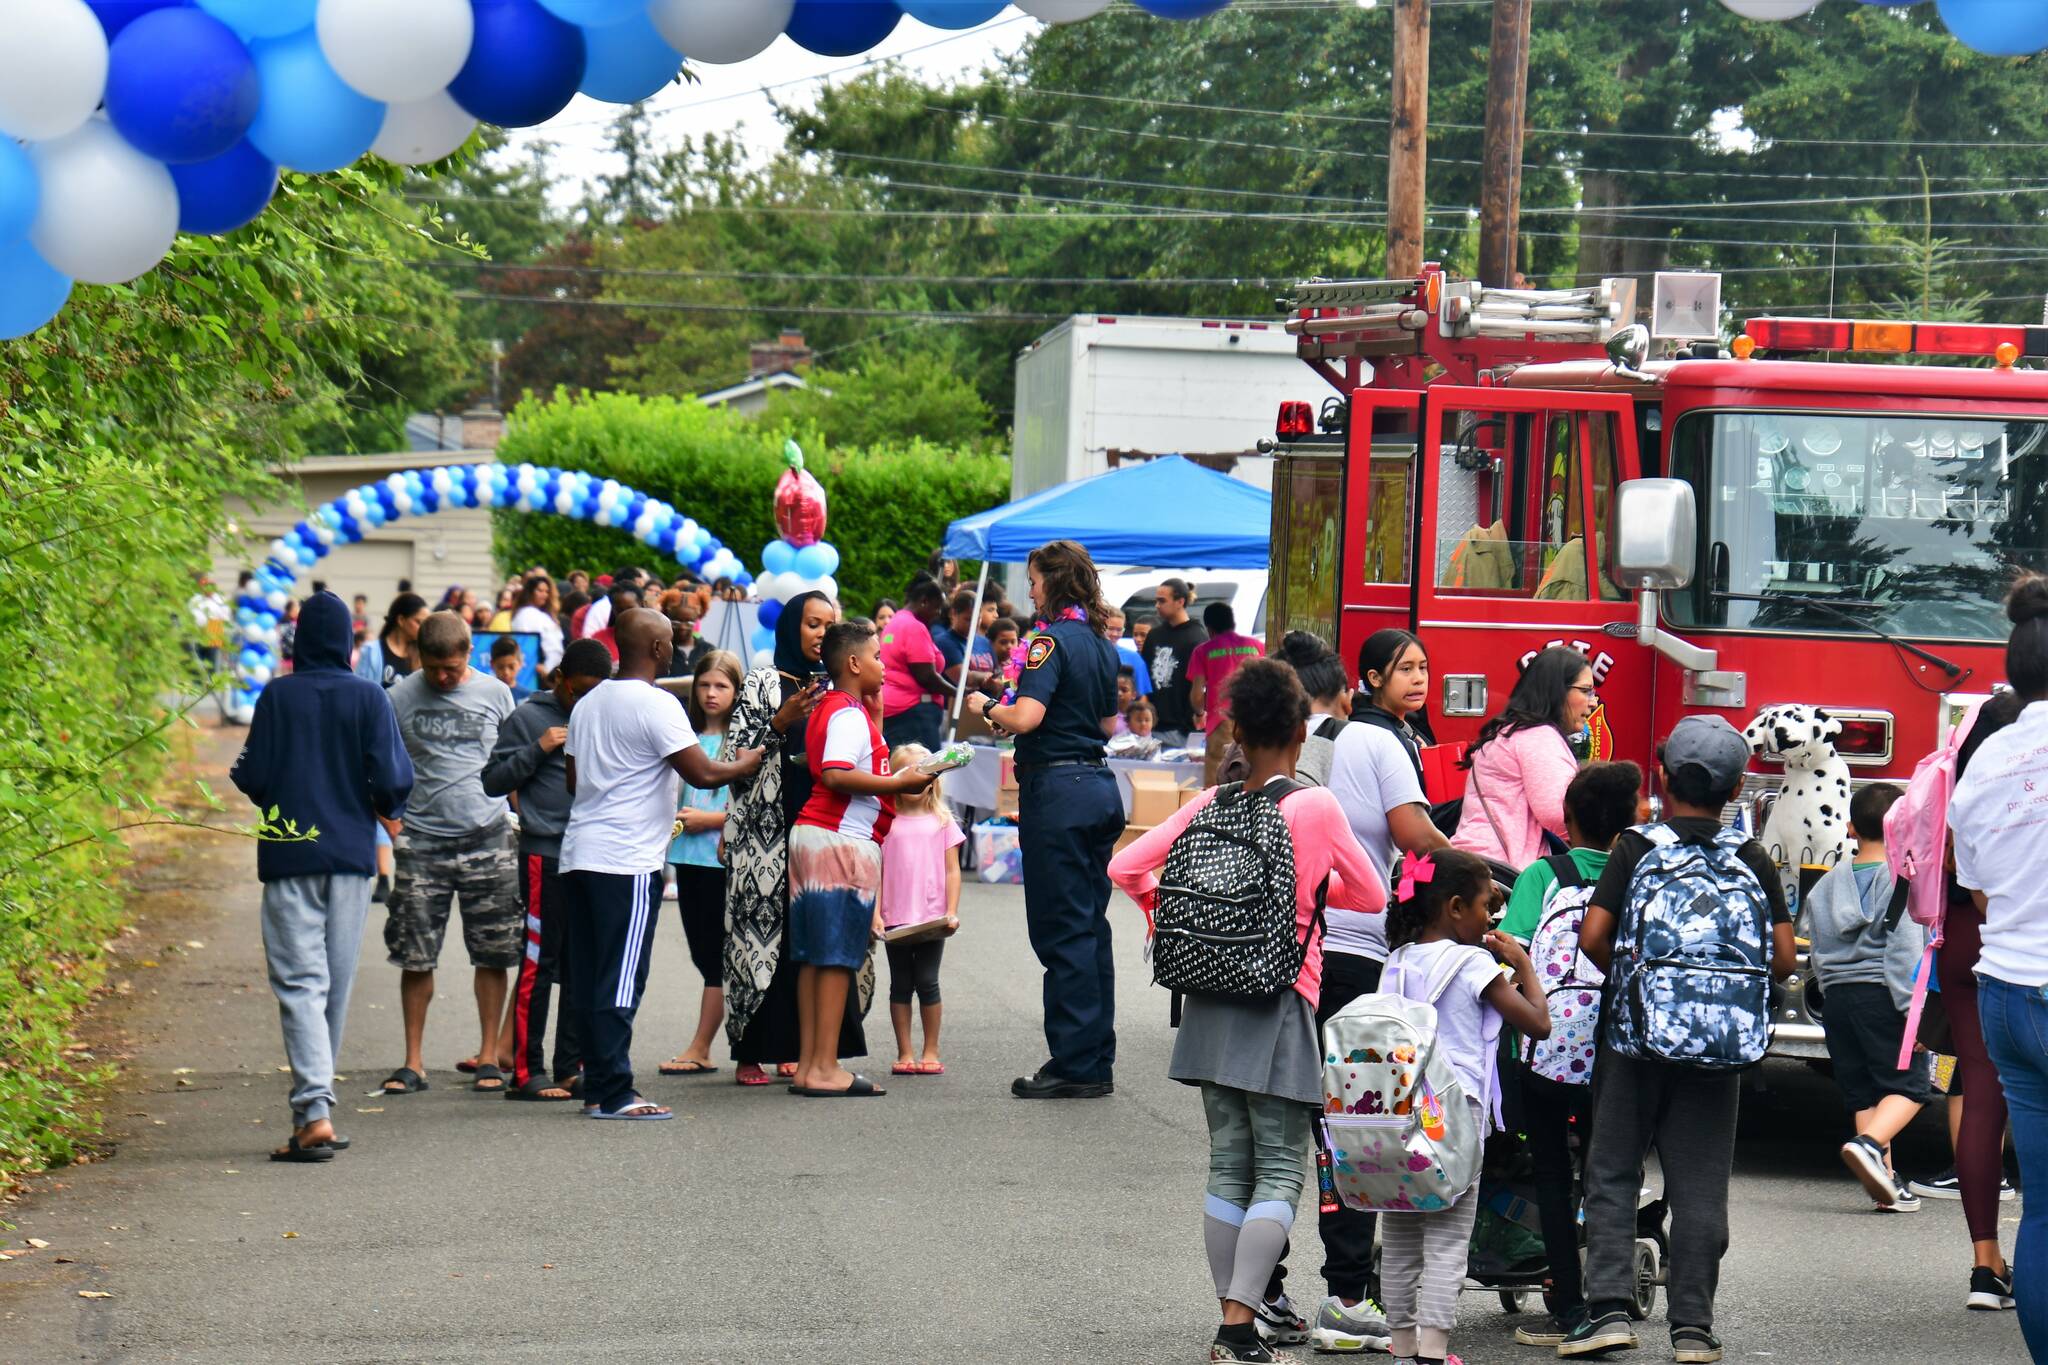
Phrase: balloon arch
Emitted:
{"points": [[801, 561]]}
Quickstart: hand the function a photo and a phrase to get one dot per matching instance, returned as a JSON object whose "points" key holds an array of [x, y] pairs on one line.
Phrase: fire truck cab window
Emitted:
{"points": [[1914, 522], [1511, 505]]}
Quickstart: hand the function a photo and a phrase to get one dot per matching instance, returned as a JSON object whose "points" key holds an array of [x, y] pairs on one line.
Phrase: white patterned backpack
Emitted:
{"points": [[1571, 983], [1400, 1134]]}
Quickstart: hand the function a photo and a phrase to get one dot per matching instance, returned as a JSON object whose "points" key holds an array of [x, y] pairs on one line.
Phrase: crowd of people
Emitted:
{"points": [[792, 812]]}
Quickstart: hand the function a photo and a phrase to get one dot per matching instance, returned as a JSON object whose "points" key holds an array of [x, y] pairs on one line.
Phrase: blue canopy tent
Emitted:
{"points": [[1213, 522], [1216, 522]]}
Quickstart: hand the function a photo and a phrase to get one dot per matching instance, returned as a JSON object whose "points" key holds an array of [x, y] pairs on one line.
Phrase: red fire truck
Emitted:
{"points": [[1502, 470]]}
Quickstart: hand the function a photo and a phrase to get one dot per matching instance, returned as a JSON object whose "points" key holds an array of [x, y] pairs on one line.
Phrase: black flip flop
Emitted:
{"points": [[486, 1073], [293, 1152], [337, 1142], [861, 1088], [409, 1082], [531, 1091]]}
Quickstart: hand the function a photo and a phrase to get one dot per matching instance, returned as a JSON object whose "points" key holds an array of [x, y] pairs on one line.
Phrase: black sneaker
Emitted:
{"points": [[1599, 1336], [1865, 1160], [1990, 1292], [1240, 1343], [382, 893], [1047, 1085], [1694, 1346], [1947, 1185]]}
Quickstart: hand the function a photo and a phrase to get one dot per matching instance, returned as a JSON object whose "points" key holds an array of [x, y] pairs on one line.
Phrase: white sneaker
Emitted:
{"points": [[1360, 1327], [1903, 1199], [1279, 1324]]}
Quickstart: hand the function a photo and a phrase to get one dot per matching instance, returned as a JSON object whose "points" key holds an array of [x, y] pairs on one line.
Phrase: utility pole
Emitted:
{"points": [[1507, 103], [1408, 149]]}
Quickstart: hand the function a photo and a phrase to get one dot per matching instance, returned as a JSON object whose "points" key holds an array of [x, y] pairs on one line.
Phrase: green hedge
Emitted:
{"points": [[888, 506]]}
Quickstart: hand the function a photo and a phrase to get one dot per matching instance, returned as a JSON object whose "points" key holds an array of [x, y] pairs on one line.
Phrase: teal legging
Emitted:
{"points": [[1258, 1146]]}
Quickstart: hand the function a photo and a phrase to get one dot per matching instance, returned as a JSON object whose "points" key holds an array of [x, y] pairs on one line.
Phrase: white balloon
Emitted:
{"points": [[720, 31], [1065, 11], [53, 67], [1773, 10], [763, 658], [827, 585], [109, 213], [397, 51]]}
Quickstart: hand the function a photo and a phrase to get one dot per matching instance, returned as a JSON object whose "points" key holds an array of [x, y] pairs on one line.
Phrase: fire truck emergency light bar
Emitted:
{"points": [[1893, 338]]}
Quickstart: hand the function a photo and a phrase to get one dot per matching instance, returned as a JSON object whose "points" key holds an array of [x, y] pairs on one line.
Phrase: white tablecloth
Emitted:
{"points": [[974, 786]]}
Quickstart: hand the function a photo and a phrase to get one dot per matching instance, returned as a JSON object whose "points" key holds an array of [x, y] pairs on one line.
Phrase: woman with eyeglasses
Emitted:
{"points": [[1522, 761]]}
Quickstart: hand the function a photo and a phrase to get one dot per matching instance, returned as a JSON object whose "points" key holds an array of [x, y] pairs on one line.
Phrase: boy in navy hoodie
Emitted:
{"points": [[324, 751]]}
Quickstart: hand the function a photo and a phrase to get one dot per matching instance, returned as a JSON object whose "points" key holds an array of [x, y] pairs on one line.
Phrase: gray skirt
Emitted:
{"points": [[1268, 1047]]}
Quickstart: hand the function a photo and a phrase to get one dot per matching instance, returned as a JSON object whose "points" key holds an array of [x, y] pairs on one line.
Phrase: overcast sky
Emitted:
{"points": [[732, 97]]}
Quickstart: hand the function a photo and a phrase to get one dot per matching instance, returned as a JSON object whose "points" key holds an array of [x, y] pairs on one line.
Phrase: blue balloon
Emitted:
{"points": [[778, 556], [31, 292], [841, 28], [263, 18], [225, 193], [115, 15], [770, 613], [828, 556], [523, 67], [1998, 28], [309, 121], [810, 562], [596, 13], [763, 638], [952, 13], [745, 580], [1181, 9], [21, 191], [180, 86], [627, 61]]}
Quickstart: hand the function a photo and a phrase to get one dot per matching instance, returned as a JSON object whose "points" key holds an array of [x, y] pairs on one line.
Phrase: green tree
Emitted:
{"points": [[886, 401]]}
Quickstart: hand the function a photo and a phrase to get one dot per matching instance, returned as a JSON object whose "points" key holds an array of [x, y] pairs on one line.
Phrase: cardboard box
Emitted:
{"points": [[1155, 796], [997, 857], [1131, 835], [1006, 803], [1006, 771], [1189, 791]]}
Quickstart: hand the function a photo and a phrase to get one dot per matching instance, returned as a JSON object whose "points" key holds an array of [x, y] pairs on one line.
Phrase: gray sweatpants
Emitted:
{"points": [[1690, 1116], [312, 933], [1422, 1272]]}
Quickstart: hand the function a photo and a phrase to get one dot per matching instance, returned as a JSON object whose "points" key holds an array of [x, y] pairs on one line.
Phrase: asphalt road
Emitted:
{"points": [[945, 1222]]}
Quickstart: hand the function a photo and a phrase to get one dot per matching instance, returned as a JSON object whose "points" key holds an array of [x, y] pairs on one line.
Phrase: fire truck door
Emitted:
{"points": [[1379, 516], [1518, 496]]}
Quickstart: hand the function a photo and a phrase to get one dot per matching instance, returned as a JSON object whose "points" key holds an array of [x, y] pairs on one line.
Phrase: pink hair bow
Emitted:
{"points": [[1414, 872]]}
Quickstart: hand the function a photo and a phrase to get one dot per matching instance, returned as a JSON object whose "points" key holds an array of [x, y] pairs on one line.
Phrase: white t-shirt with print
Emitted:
{"points": [[621, 736], [1999, 816], [1467, 1028], [1370, 774]]}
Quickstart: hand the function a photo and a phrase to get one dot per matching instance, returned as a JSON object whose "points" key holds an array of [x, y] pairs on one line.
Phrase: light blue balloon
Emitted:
{"points": [[262, 18], [595, 13], [763, 638], [952, 13], [310, 121], [31, 290], [778, 556], [21, 193], [628, 61], [810, 562], [829, 556]]}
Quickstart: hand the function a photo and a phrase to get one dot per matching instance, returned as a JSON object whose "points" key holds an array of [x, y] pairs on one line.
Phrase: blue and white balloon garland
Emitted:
{"points": [[533, 488], [789, 571], [145, 118]]}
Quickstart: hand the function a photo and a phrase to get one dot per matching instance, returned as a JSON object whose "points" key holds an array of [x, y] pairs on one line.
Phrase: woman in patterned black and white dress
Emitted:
{"points": [[760, 987]]}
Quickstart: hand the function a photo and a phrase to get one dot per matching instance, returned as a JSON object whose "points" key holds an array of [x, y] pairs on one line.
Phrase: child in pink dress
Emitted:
{"points": [[920, 894]]}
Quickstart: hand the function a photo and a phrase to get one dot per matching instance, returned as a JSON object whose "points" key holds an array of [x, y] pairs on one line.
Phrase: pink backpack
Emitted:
{"points": [[1916, 848]]}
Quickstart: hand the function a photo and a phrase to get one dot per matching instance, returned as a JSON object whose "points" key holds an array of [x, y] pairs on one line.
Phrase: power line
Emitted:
{"points": [[779, 310]]}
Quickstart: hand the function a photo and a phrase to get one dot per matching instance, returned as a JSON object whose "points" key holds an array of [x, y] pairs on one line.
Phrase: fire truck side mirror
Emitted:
{"points": [[1658, 542]]}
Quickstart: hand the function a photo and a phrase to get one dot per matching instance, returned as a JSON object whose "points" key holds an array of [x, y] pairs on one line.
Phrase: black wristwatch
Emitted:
{"points": [[989, 704]]}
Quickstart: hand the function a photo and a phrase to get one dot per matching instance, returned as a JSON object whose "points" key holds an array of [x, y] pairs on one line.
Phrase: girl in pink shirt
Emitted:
{"points": [[920, 906], [1522, 763], [1259, 1062]]}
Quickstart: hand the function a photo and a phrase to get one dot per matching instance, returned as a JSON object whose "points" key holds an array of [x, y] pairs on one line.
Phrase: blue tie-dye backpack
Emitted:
{"points": [[1690, 981]]}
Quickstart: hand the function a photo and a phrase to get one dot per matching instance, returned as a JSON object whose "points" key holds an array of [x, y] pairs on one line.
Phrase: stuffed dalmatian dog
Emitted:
{"points": [[1810, 822]]}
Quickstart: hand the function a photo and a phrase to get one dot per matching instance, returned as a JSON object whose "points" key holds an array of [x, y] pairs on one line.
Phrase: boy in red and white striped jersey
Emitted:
{"points": [[835, 855]]}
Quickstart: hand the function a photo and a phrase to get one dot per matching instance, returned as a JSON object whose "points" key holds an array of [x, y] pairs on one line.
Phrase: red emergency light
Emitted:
{"points": [[1897, 338], [1297, 419]]}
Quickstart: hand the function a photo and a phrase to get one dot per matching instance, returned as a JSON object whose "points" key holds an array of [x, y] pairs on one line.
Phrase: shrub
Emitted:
{"points": [[888, 504]]}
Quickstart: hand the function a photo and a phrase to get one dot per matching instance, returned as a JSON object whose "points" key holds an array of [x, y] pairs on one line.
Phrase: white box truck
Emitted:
{"points": [[1098, 390]]}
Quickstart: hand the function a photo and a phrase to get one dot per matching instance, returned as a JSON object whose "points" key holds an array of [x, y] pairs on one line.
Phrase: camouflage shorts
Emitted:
{"points": [[435, 873]]}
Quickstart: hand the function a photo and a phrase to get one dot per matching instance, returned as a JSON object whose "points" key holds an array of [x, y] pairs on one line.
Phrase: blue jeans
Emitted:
{"points": [[2015, 1022]]}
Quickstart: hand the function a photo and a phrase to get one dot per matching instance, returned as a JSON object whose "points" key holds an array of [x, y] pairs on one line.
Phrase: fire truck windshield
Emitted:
{"points": [[1916, 521]]}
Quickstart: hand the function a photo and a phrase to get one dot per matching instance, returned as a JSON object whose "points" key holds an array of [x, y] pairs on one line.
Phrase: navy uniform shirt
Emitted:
{"points": [[1070, 670]]}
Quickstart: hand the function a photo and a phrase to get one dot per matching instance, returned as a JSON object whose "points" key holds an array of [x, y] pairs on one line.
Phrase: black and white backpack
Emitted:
{"points": [[1223, 922]]}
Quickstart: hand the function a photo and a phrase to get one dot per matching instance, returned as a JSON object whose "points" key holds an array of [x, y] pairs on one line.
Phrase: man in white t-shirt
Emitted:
{"points": [[628, 743]]}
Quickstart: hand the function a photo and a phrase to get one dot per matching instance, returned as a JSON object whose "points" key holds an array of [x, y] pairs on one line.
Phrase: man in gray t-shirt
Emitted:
{"points": [[455, 845]]}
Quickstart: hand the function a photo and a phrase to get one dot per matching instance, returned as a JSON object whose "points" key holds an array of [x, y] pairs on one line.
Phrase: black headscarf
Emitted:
{"points": [[796, 670]]}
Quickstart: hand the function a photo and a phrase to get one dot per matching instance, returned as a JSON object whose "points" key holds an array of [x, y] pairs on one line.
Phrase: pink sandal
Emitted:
{"points": [[750, 1073], [907, 1069], [931, 1068]]}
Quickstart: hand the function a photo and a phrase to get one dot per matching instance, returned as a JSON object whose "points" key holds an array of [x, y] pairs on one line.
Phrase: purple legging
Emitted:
{"points": [[1980, 1146]]}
